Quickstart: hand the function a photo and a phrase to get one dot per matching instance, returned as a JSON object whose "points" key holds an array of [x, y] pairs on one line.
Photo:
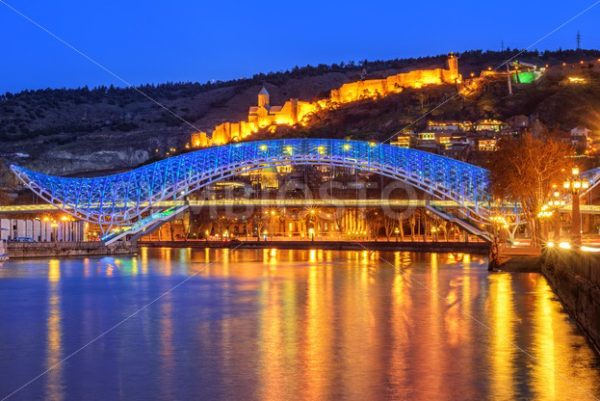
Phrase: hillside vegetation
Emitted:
{"points": [[81, 131]]}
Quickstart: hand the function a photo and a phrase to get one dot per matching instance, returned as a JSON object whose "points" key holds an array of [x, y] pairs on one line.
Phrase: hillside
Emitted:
{"points": [[83, 131]]}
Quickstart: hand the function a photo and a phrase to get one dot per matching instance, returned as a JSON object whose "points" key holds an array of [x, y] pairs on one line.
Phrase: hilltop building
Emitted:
{"points": [[295, 111], [371, 88], [264, 114], [261, 116]]}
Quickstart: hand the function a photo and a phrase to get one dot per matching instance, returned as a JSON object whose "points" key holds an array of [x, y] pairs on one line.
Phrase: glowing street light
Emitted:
{"points": [[499, 222], [544, 214], [555, 204], [576, 184]]}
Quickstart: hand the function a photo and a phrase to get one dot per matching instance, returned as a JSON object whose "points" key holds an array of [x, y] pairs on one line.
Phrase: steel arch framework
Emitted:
{"points": [[123, 198]]}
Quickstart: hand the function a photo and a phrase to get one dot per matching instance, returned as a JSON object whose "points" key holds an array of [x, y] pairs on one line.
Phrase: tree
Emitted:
{"points": [[389, 224], [524, 170], [412, 220]]}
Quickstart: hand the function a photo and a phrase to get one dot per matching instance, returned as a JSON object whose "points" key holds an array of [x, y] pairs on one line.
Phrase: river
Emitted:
{"points": [[178, 324]]}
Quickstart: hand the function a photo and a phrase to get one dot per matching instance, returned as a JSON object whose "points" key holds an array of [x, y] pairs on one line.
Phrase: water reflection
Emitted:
{"points": [[295, 324], [502, 340], [167, 349], [54, 387]]}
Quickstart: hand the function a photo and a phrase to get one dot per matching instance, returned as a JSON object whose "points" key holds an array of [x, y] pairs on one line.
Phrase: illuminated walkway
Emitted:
{"points": [[243, 202], [122, 199], [248, 202]]}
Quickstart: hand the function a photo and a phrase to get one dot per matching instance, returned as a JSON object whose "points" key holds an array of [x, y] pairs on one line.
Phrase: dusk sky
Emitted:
{"points": [[160, 41]]}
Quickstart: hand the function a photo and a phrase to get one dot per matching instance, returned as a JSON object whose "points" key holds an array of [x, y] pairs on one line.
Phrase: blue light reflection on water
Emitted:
{"points": [[278, 324]]}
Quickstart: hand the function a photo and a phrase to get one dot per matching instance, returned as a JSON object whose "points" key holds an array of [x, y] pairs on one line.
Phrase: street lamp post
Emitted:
{"points": [[556, 203], [543, 215], [575, 184]]}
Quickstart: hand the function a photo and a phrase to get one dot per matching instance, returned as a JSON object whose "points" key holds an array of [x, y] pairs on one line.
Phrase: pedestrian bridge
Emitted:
{"points": [[125, 198]]}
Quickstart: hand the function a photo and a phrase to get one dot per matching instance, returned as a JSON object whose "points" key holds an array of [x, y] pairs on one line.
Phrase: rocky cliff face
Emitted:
{"points": [[64, 162]]}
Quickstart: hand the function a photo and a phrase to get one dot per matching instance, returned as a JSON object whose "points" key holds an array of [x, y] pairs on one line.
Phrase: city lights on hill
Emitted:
{"points": [[576, 80]]}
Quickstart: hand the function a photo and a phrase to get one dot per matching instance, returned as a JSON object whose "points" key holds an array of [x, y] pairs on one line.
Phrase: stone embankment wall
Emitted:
{"points": [[65, 249], [461, 247], [575, 278]]}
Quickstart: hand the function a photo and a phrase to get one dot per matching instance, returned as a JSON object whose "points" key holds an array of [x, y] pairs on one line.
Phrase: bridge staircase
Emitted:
{"points": [[145, 225], [463, 223]]}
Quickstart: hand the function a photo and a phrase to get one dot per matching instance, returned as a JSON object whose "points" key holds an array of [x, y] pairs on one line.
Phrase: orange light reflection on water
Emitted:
{"points": [[328, 325], [54, 351]]}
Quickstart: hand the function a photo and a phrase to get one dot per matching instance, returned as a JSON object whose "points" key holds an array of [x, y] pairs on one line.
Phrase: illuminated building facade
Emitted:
{"points": [[487, 144], [489, 125], [303, 223], [43, 229], [260, 116], [450, 126], [295, 111]]}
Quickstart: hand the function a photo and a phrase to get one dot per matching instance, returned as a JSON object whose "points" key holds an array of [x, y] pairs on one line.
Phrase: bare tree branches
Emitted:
{"points": [[525, 169]]}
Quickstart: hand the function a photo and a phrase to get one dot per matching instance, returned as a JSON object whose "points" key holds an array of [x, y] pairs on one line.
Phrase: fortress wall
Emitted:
{"points": [[294, 111], [305, 108]]}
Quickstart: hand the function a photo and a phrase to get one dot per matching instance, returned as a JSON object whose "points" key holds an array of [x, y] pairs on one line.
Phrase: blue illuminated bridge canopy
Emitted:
{"points": [[123, 198]]}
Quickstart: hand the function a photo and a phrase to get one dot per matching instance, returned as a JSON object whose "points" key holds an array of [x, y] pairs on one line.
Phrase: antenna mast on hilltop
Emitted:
{"points": [[578, 40], [508, 79]]}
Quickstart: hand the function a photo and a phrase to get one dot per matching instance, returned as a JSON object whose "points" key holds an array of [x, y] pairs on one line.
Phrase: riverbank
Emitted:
{"points": [[470, 247], [573, 275], [66, 249], [575, 278], [520, 260]]}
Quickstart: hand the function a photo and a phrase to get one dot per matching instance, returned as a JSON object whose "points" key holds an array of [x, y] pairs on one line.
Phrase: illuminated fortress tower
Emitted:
{"points": [[264, 99], [453, 74]]}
